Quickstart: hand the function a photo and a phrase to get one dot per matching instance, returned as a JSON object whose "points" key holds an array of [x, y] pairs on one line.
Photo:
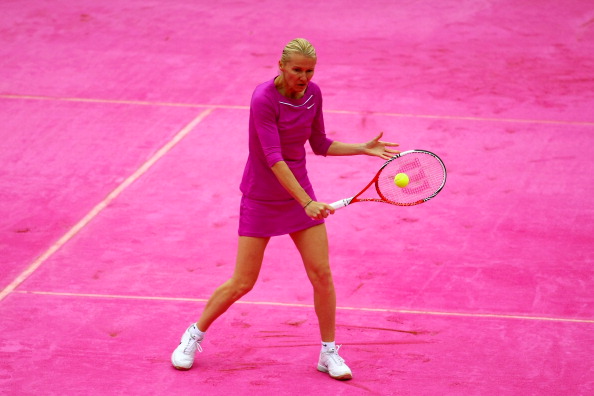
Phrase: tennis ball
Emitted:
{"points": [[401, 180]]}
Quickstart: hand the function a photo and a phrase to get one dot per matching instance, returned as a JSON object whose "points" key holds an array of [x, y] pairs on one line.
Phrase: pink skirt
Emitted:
{"points": [[271, 218]]}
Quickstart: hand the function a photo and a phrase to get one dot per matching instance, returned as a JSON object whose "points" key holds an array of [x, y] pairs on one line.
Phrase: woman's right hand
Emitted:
{"points": [[318, 210]]}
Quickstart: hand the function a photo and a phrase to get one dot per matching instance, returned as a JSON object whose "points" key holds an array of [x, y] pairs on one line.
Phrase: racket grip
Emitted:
{"points": [[341, 204]]}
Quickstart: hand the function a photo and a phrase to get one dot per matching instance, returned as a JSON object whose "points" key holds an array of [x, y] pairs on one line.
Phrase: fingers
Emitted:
{"points": [[381, 148], [319, 211], [386, 153], [377, 140]]}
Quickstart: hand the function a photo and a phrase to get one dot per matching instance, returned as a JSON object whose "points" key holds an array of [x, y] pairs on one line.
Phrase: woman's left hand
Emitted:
{"points": [[380, 149]]}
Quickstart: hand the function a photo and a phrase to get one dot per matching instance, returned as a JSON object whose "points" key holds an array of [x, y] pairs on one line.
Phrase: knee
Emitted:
{"points": [[240, 287], [321, 279]]}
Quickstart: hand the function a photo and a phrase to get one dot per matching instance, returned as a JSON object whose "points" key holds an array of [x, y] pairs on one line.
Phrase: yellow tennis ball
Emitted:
{"points": [[401, 180]]}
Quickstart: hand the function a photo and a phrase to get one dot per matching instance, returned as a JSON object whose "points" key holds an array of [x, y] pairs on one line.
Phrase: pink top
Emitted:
{"points": [[278, 130]]}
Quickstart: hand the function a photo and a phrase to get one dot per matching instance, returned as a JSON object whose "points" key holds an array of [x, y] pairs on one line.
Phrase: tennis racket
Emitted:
{"points": [[426, 174]]}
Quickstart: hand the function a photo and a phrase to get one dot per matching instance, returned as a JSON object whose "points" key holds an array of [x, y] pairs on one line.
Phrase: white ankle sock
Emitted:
{"points": [[326, 346], [199, 334]]}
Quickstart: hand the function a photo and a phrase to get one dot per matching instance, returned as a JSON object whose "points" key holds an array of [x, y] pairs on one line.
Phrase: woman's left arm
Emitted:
{"points": [[374, 147]]}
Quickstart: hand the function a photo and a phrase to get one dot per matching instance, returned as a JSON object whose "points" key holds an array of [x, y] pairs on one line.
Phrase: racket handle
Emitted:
{"points": [[342, 203]]}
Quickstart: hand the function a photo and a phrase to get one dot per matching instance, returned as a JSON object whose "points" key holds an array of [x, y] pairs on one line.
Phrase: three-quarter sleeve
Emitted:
{"points": [[319, 142], [264, 121]]}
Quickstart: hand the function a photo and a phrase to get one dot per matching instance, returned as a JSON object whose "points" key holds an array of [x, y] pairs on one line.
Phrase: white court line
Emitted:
{"points": [[103, 204], [299, 305], [121, 101], [369, 113], [466, 118]]}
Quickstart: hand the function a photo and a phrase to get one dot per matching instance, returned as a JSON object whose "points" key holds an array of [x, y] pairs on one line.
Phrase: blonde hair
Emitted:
{"points": [[298, 46]]}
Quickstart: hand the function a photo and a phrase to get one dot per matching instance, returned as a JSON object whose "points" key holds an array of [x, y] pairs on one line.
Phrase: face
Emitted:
{"points": [[297, 72]]}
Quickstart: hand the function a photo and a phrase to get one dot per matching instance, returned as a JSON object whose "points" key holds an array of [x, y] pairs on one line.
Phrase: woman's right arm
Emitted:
{"points": [[314, 209]]}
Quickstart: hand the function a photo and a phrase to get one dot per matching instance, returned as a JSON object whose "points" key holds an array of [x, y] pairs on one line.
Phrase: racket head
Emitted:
{"points": [[425, 170]]}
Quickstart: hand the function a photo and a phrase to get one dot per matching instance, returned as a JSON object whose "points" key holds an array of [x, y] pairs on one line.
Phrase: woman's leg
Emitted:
{"points": [[312, 244], [250, 253]]}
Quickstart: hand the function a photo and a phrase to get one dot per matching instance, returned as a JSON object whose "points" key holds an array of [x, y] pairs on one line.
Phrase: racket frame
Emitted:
{"points": [[347, 201]]}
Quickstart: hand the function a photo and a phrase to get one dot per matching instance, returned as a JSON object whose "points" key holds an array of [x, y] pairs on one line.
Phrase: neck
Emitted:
{"points": [[279, 83]]}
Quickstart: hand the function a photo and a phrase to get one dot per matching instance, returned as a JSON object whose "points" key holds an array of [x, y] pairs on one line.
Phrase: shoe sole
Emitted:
{"points": [[344, 377]]}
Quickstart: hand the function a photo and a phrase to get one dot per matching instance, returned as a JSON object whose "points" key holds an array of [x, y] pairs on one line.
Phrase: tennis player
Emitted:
{"points": [[278, 199]]}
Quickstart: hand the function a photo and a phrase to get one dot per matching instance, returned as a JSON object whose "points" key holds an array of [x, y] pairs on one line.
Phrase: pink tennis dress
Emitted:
{"points": [[278, 130]]}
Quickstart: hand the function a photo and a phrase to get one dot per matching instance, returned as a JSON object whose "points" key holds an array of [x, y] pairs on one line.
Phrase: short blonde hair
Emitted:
{"points": [[298, 46]]}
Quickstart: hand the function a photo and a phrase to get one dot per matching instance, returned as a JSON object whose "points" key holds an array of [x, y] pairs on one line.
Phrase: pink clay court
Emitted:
{"points": [[123, 138]]}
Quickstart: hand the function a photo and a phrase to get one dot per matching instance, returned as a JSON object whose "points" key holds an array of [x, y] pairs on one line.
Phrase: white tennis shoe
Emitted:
{"points": [[182, 357], [330, 362]]}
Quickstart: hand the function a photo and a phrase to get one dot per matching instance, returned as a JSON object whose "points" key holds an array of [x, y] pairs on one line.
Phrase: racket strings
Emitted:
{"points": [[426, 175]]}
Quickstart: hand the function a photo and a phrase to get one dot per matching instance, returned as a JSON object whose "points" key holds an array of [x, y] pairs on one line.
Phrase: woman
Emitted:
{"points": [[278, 199]]}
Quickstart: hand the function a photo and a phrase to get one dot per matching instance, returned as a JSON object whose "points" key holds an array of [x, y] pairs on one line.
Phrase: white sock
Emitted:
{"points": [[195, 331], [326, 346]]}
